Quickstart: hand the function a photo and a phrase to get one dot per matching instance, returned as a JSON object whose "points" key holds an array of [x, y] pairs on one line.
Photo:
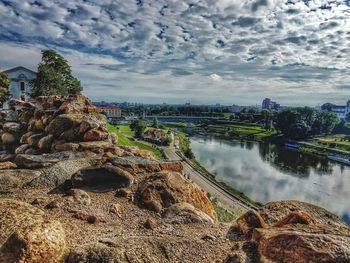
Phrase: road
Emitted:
{"points": [[227, 200]]}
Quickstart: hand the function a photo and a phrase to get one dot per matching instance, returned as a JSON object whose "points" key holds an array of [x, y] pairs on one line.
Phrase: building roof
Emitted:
{"points": [[108, 107], [19, 68], [338, 107]]}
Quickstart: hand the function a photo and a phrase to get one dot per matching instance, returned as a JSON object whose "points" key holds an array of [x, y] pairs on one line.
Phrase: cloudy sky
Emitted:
{"points": [[198, 51]]}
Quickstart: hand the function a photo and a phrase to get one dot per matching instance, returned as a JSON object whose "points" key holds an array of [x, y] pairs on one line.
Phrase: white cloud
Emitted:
{"points": [[251, 44]]}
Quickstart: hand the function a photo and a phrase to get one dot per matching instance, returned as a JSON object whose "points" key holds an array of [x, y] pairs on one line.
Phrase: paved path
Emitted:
{"points": [[228, 200]]}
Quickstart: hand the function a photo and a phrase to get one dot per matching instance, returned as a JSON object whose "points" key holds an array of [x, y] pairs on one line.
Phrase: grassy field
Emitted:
{"points": [[245, 132], [337, 141], [125, 135]]}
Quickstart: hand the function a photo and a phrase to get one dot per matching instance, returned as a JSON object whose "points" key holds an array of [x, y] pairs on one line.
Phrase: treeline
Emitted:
{"points": [[176, 110], [301, 123]]}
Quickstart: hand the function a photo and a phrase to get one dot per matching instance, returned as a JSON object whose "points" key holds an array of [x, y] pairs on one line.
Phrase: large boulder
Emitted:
{"points": [[64, 122], [76, 104], [26, 237], [275, 211], [303, 243], [9, 138], [101, 178], [11, 180], [186, 213], [134, 164], [12, 127], [164, 189]]}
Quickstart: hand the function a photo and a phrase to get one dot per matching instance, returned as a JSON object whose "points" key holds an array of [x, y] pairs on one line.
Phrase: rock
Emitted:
{"points": [[117, 209], [69, 146], [69, 135], [80, 196], [7, 165], [22, 149], [91, 219], [42, 242], [274, 211], [35, 161], [101, 178], [209, 237], [303, 243], [297, 217], [34, 139], [53, 204], [12, 127], [9, 138], [244, 226], [95, 135], [186, 213], [57, 174], [64, 122], [44, 143], [150, 224], [24, 138], [142, 165], [168, 188], [11, 180], [96, 146], [76, 104], [123, 192], [6, 157]]}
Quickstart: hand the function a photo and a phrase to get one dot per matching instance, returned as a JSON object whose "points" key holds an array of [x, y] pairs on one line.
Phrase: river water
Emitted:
{"points": [[267, 172]]}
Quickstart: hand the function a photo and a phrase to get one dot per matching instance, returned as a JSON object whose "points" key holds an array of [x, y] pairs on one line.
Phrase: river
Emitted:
{"points": [[267, 172]]}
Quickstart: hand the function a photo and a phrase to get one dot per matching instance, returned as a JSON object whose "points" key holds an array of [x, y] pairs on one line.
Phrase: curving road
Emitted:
{"points": [[227, 199]]}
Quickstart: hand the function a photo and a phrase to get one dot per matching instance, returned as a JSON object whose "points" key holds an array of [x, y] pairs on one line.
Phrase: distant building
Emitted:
{"points": [[20, 78], [235, 108], [268, 104], [341, 110], [112, 112]]}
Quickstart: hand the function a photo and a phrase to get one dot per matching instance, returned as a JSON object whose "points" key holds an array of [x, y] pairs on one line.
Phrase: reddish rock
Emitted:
{"points": [[167, 188], [69, 146], [7, 165], [44, 143], [297, 217], [95, 135]]}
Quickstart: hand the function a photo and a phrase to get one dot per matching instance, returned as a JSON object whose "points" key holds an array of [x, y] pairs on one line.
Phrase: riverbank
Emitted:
{"points": [[184, 143]]}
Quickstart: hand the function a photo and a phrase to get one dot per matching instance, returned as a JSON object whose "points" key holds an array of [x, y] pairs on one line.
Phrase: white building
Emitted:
{"points": [[19, 86]]}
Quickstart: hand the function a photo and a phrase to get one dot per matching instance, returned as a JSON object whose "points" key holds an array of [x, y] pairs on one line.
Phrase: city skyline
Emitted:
{"points": [[205, 52]]}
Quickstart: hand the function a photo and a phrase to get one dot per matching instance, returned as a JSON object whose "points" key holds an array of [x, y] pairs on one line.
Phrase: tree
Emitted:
{"points": [[4, 87], [54, 77], [327, 106], [138, 126], [155, 123]]}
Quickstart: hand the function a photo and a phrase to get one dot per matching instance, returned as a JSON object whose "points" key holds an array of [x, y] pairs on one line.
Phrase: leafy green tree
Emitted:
{"points": [[4, 87], [54, 77], [138, 126], [155, 123]]}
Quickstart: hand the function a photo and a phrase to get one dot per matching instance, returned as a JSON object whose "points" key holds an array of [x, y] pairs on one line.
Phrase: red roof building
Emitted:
{"points": [[111, 111]]}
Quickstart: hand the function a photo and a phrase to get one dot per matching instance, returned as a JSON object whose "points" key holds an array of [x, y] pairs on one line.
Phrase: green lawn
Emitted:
{"points": [[337, 141], [248, 132], [125, 138]]}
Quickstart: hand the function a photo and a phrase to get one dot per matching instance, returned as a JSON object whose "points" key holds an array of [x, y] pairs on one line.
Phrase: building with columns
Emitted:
{"points": [[20, 78]]}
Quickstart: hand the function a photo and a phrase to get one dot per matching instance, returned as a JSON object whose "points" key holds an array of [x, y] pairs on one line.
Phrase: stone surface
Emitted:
{"points": [[12, 180], [101, 178], [7, 165], [303, 243], [80, 196], [141, 165], [186, 213], [164, 189], [42, 242]]}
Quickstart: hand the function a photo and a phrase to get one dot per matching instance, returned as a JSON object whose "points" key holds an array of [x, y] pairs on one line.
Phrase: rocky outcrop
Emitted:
{"points": [[289, 234], [44, 125], [25, 236], [101, 178], [11, 180], [164, 189], [186, 213], [137, 165]]}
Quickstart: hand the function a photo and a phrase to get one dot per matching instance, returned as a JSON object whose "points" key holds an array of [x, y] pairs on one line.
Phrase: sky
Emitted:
{"points": [[200, 51]]}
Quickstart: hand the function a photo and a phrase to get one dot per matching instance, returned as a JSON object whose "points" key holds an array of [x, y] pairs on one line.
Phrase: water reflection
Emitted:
{"points": [[267, 172]]}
